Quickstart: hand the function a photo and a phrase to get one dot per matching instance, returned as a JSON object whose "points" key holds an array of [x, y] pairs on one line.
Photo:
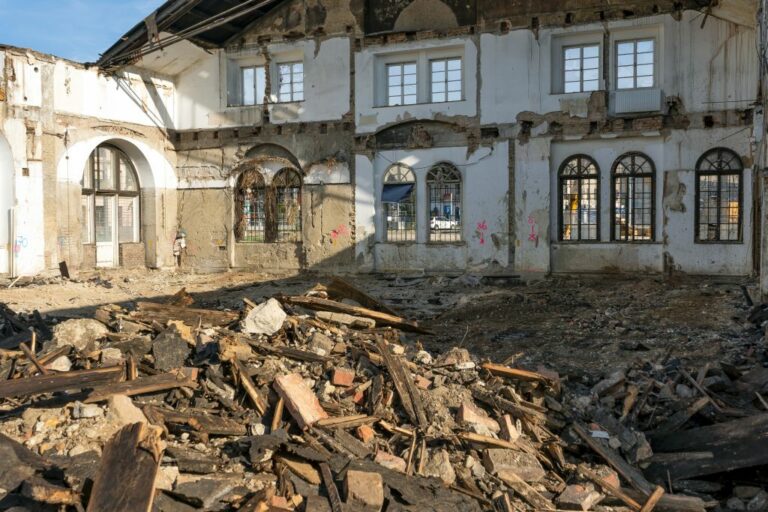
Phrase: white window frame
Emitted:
{"points": [[293, 94], [258, 94], [446, 81], [654, 64], [422, 57], [401, 97], [559, 43], [581, 58]]}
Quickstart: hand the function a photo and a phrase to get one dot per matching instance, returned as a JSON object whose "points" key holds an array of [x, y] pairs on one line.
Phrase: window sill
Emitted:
{"points": [[421, 104], [261, 105], [246, 243], [719, 242]]}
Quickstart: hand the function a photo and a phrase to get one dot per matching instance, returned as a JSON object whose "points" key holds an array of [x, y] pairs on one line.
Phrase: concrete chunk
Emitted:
{"points": [[524, 465], [439, 465], [364, 490], [81, 333], [469, 414], [299, 399], [390, 461], [579, 497]]}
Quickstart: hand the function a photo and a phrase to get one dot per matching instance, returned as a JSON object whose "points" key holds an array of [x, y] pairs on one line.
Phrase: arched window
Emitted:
{"points": [[719, 196], [268, 213], [633, 178], [579, 192], [249, 201], [287, 187], [444, 193], [398, 199], [110, 203]]}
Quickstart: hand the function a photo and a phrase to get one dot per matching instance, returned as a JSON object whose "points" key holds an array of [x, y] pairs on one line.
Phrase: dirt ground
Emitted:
{"points": [[575, 325]]}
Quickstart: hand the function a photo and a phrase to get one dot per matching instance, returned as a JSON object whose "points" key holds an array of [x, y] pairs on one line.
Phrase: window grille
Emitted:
{"points": [[633, 198], [719, 196], [445, 203], [579, 184], [287, 186], [399, 204]]}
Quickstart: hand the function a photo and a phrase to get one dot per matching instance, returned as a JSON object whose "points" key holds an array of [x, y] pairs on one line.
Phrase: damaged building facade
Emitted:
{"points": [[393, 135]]}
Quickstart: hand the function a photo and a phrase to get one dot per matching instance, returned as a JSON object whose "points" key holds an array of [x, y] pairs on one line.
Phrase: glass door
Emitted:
{"points": [[106, 246]]}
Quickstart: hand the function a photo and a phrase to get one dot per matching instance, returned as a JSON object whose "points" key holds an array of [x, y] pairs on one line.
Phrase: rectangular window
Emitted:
{"points": [[254, 84], [446, 80], [635, 64], [401, 84], [291, 82], [128, 219], [581, 68]]}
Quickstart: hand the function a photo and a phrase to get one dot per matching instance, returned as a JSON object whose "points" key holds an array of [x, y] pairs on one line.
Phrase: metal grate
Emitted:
{"points": [[633, 198], [579, 180], [719, 196], [399, 204], [251, 198], [444, 192], [287, 185]]}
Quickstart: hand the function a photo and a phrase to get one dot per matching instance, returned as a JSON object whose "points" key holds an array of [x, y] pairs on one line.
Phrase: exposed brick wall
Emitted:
{"points": [[89, 257], [132, 255]]}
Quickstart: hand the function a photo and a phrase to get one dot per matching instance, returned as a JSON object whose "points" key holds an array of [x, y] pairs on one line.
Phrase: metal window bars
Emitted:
{"points": [[287, 187], [579, 192], [719, 196], [633, 216], [399, 204], [445, 203]]}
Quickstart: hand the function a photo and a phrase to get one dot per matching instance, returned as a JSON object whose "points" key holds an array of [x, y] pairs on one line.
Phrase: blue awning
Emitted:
{"points": [[396, 193]]}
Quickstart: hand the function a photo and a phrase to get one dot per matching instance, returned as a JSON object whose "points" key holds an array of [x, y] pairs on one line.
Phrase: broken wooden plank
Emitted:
{"points": [[675, 502], [249, 386], [31, 356], [184, 378], [352, 421], [611, 489], [528, 493], [208, 424], [318, 304], [162, 313], [487, 441], [401, 378], [42, 491], [518, 374], [125, 481], [68, 381], [653, 499], [338, 289], [631, 474], [735, 444], [330, 487], [678, 419]]}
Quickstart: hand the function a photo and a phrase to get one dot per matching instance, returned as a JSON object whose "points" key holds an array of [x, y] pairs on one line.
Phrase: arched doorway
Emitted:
{"points": [[110, 204], [6, 204]]}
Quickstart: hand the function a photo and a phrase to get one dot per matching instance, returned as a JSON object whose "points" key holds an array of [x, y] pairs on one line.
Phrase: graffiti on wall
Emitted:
{"points": [[481, 230]]}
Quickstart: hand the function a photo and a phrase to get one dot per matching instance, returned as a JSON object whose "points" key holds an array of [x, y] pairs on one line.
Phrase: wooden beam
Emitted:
{"points": [[185, 378], [317, 304], [125, 480], [68, 381], [401, 378], [162, 313]]}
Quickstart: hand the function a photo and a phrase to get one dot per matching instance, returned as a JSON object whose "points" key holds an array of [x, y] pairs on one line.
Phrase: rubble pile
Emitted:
{"points": [[327, 402]]}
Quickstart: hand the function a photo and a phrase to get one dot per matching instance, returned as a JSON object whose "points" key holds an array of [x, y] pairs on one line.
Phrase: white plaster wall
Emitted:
{"points": [[6, 202], [681, 151], [202, 88], [27, 243], [532, 205], [127, 97], [484, 211], [365, 213], [371, 117], [675, 158], [707, 68]]}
